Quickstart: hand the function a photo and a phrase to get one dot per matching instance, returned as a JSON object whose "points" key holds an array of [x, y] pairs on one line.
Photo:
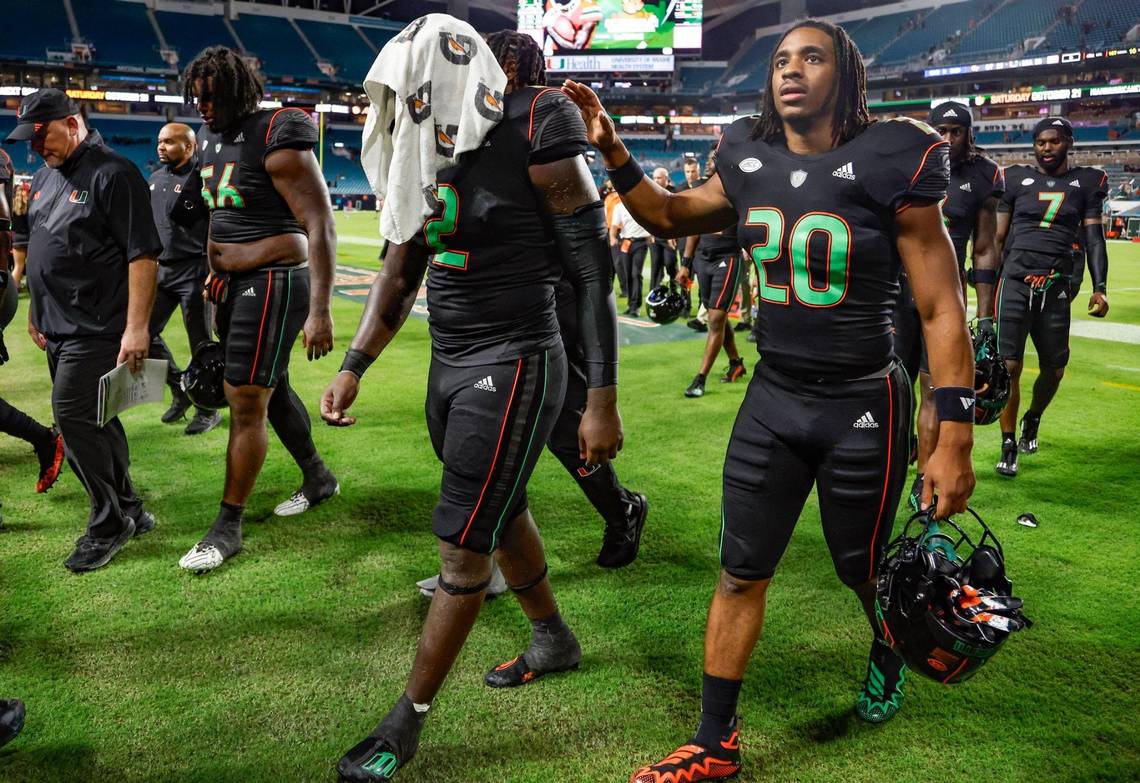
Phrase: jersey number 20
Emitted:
{"points": [[803, 287]]}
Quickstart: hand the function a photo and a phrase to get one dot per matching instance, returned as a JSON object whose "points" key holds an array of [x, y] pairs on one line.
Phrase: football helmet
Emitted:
{"points": [[991, 379], [663, 305], [203, 380], [944, 602]]}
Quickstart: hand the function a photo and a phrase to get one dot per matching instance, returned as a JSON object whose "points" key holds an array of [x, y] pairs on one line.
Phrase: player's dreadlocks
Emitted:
{"points": [[520, 57], [237, 87], [851, 113]]}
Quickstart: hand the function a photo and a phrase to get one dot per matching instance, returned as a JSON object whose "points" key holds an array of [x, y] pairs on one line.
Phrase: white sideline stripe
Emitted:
{"points": [[353, 239], [1117, 333], [1120, 367]]}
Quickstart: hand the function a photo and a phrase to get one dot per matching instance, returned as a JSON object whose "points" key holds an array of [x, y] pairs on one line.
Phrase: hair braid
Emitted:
{"points": [[237, 89], [851, 113], [520, 57]]}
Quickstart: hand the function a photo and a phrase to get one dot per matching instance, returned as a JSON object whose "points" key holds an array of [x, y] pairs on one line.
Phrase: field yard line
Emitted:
{"points": [[353, 239], [1117, 333], [1125, 386], [1120, 367]]}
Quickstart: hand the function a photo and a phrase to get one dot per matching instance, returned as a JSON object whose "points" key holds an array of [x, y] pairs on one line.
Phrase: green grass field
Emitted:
{"points": [[268, 669]]}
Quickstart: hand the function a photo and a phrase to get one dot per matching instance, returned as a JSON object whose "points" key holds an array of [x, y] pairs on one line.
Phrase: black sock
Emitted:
{"points": [[736, 361], [1006, 436], [718, 708], [551, 625], [1033, 416], [553, 645], [701, 375], [225, 533]]}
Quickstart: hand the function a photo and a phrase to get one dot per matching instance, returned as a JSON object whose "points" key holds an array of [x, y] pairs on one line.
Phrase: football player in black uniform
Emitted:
{"points": [[969, 210], [497, 377], [271, 251], [827, 203], [1046, 208]]}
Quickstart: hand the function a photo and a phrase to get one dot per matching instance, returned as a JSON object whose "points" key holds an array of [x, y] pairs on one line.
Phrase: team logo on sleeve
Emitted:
{"points": [[798, 177], [411, 30], [445, 139], [419, 103], [489, 103], [458, 49]]}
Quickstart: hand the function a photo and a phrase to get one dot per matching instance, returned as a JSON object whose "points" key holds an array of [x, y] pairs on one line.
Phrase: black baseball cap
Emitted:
{"points": [[1059, 124], [41, 107], [951, 113]]}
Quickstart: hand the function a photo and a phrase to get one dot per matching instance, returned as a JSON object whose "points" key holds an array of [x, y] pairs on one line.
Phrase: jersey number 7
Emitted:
{"points": [[1055, 201]]}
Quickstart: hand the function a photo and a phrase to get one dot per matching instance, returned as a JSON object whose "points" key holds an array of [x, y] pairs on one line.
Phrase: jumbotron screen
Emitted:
{"points": [[568, 26]]}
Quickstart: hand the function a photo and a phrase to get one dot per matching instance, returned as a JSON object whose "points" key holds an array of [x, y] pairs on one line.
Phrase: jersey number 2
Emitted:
{"points": [[838, 236], [436, 228], [227, 194]]}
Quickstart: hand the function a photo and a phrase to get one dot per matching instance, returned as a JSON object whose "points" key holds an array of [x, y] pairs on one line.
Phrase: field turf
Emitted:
{"points": [[268, 669]]}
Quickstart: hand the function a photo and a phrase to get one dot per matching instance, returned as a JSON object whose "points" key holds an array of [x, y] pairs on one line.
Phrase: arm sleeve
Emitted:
{"points": [[290, 129], [1007, 197], [1097, 181], [997, 180], [556, 128], [126, 202], [910, 164]]}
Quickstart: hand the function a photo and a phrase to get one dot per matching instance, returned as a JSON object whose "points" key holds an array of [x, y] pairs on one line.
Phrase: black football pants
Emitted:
{"points": [[99, 456], [662, 263], [179, 286], [635, 267]]}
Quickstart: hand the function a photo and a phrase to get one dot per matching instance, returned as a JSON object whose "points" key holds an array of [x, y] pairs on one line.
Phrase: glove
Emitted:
{"points": [[986, 326]]}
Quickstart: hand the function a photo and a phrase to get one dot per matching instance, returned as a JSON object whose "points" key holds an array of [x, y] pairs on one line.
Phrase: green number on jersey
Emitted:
{"points": [[227, 194], [1055, 201], [838, 256], [438, 227]]}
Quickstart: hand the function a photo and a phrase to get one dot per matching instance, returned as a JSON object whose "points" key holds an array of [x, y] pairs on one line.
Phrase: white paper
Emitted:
{"points": [[121, 389]]}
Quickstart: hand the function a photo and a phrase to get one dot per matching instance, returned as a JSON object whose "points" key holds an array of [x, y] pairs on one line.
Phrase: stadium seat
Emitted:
{"points": [[42, 25], [1009, 25], [875, 33], [277, 45], [934, 28], [191, 33], [341, 45], [750, 70], [1107, 21], [120, 33], [378, 36]]}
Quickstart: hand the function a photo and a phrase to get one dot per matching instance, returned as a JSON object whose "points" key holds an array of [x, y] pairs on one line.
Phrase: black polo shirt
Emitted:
{"points": [[166, 192], [87, 220]]}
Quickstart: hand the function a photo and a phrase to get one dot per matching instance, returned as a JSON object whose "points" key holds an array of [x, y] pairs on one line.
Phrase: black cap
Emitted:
{"points": [[951, 113], [42, 106], [1059, 124]]}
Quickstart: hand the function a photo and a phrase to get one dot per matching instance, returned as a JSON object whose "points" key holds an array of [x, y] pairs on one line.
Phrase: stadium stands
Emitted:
{"points": [[935, 28], [191, 33], [42, 25], [342, 46], [277, 45], [120, 33], [377, 36], [875, 33], [1096, 24], [1009, 25], [750, 70]]}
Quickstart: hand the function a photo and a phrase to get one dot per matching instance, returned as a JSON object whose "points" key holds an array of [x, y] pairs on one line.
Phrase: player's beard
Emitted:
{"points": [[1058, 162]]}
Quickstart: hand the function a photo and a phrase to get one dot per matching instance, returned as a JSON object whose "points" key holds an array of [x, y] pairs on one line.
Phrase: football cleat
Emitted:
{"points": [[742, 326], [390, 746], [697, 325], [204, 421], [1027, 444], [1007, 465], [622, 541], [734, 372], [560, 653], [696, 388], [11, 719], [51, 461], [178, 406], [882, 696], [299, 502], [498, 586], [202, 558], [693, 762]]}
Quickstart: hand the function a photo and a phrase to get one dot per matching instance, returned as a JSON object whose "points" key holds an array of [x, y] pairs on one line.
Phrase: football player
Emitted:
{"points": [[271, 251], [1046, 208], [718, 263], [969, 210], [827, 203], [497, 377]]}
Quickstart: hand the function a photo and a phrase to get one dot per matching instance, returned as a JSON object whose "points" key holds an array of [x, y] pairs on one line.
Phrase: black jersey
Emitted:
{"points": [[971, 184], [713, 247], [1047, 212], [492, 276], [820, 229], [244, 204]]}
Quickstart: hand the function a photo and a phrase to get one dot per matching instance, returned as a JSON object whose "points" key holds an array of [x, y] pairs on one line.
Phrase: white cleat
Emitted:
{"points": [[498, 586], [298, 503], [203, 557]]}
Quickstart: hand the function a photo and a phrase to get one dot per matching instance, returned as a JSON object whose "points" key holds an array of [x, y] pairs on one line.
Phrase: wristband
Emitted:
{"points": [[356, 362], [954, 403], [687, 262], [626, 177], [985, 276]]}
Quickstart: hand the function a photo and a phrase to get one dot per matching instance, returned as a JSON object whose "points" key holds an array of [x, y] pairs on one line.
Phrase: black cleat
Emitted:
{"points": [[697, 325], [1027, 444], [92, 553], [734, 372], [621, 541], [549, 653], [696, 388], [390, 746], [12, 714], [178, 406], [203, 421], [742, 326], [1007, 465], [881, 697]]}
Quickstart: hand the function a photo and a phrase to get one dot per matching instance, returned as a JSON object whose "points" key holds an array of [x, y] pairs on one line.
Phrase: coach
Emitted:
{"points": [[183, 223], [92, 250]]}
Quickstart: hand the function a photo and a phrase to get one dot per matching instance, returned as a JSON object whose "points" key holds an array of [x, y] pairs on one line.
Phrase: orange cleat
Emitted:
{"points": [[51, 462], [692, 762]]}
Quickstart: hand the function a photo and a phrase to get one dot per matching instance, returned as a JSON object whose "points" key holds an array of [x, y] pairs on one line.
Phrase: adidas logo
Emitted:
{"points": [[486, 384], [1062, 295], [950, 113], [240, 137], [846, 171], [248, 292], [966, 187], [966, 402], [1059, 122], [722, 265], [1075, 183], [866, 422]]}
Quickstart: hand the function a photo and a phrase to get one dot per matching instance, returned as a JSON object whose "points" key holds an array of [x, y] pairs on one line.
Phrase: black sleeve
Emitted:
{"points": [[1097, 182], [997, 180], [125, 199], [290, 129], [190, 208], [20, 230], [1010, 194], [909, 163], [556, 129]]}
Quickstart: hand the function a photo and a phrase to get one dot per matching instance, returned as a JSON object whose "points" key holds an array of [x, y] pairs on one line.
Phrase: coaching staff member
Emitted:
{"points": [[183, 223], [92, 260]]}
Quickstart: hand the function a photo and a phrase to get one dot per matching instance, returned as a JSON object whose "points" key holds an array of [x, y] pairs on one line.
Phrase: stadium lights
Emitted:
{"points": [[168, 99]]}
